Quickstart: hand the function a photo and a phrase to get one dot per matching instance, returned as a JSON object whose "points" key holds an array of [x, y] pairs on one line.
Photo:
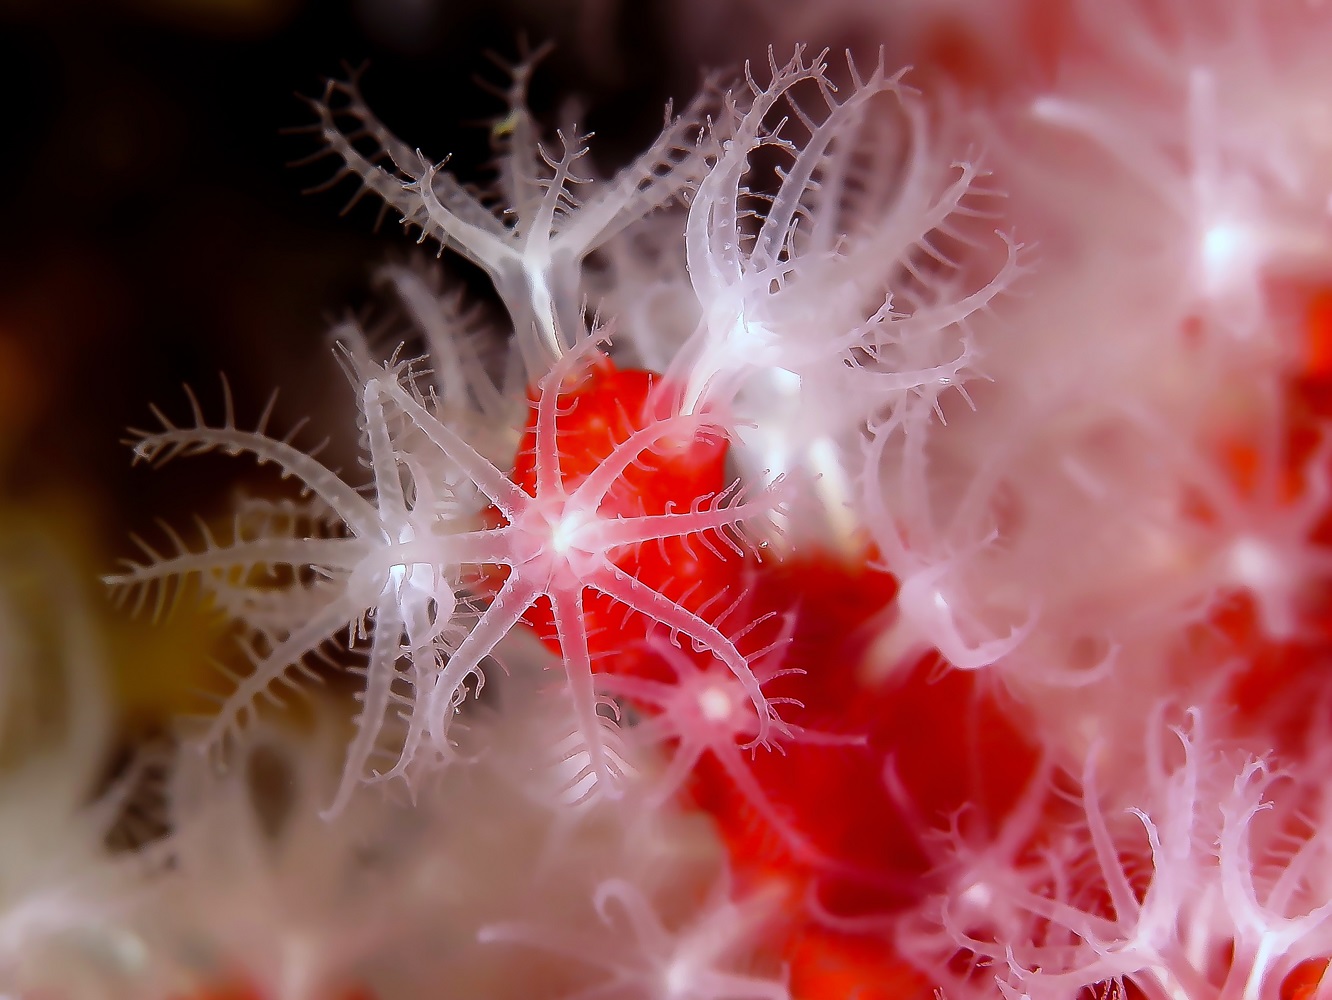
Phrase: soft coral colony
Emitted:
{"points": [[841, 600]]}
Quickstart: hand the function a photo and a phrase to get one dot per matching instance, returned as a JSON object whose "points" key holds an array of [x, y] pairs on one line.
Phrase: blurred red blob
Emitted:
{"points": [[948, 740]]}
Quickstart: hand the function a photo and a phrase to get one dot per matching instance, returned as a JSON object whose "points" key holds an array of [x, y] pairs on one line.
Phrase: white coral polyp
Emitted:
{"points": [[1190, 903], [836, 300]]}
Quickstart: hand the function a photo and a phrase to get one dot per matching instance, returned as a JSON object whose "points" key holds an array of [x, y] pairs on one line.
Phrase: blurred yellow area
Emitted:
{"points": [[51, 581], [163, 669]]}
